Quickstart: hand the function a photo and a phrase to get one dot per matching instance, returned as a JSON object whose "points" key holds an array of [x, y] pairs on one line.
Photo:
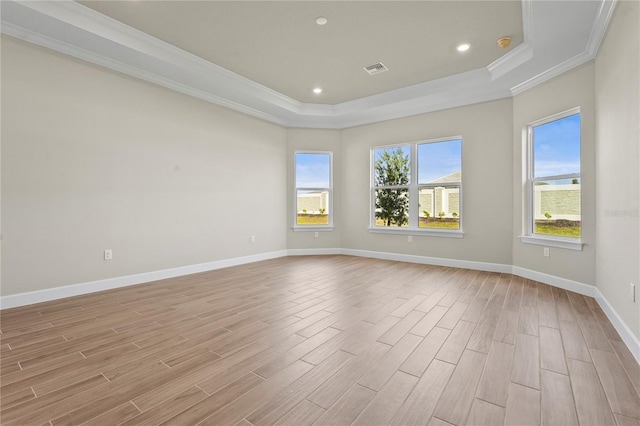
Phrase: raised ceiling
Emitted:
{"points": [[279, 45], [263, 58]]}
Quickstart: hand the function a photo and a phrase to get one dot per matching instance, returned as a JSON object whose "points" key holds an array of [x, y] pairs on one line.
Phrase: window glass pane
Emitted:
{"points": [[440, 162], [556, 207], [556, 147], [391, 166], [313, 170], [439, 207], [312, 207], [392, 207]]}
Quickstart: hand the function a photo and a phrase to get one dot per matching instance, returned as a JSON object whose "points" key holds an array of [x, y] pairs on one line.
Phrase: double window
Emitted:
{"points": [[417, 187], [314, 193], [553, 177]]}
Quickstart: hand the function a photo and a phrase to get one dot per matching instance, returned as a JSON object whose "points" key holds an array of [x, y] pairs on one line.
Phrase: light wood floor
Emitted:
{"points": [[319, 340]]}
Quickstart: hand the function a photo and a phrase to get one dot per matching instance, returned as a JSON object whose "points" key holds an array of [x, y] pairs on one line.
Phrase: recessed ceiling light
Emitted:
{"points": [[317, 90], [321, 20], [463, 47]]}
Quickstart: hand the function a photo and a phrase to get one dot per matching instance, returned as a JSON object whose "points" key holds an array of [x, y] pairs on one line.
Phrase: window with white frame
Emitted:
{"points": [[553, 177], [313, 192], [417, 187]]}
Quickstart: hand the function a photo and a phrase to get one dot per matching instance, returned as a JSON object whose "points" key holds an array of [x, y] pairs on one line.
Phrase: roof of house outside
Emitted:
{"points": [[450, 178]]}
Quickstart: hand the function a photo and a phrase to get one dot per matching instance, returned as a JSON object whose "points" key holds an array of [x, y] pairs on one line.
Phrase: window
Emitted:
{"points": [[417, 187], [439, 180], [553, 177], [313, 177]]}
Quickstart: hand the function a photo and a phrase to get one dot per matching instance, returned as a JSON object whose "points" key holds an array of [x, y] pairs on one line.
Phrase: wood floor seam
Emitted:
{"points": [[319, 340]]}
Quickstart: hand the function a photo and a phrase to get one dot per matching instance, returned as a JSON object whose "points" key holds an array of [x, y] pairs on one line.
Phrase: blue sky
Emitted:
{"points": [[313, 170], [435, 159], [556, 147], [439, 159]]}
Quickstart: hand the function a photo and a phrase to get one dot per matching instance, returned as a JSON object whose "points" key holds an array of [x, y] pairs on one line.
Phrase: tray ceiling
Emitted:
{"points": [[264, 58]]}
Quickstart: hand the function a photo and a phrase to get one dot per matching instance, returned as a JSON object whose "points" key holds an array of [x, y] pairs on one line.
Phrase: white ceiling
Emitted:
{"points": [[263, 58], [279, 45]]}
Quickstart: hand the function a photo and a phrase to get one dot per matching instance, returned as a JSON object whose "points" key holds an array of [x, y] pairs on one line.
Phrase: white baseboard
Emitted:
{"points": [[313, 252], [627, 336], [23, 299], [454, 263], [29, 298], [575, 286]]}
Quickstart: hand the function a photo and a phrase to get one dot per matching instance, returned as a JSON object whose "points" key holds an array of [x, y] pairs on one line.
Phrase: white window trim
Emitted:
{"points": [[454, 233], [529, 237], [414, 188], [313, 228], [557, 242]]}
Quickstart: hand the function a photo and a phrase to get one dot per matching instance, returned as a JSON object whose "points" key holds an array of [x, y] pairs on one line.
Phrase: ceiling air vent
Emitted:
{"points": [[376, 68]]}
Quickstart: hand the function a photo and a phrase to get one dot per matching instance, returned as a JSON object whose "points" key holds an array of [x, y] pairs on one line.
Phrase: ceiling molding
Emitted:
{"points": [[551, 73], [600, 25], [598, 30], [513, 59], [81, 32]]}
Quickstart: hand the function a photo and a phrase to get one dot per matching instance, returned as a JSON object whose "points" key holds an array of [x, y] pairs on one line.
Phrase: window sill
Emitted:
{"points": [[564, 243], [326, 228], [418, 232]]}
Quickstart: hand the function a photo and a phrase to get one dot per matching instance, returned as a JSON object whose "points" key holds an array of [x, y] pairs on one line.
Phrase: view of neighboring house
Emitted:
{"points": [[442, 195], [313, 202]]}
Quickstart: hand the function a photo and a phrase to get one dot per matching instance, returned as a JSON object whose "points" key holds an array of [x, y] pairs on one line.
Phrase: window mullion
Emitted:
{"points": [[413, 187], [556, 177]]}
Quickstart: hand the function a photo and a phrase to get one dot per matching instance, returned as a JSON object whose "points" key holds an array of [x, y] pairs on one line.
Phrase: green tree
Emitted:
{"points": [[392, 205]]}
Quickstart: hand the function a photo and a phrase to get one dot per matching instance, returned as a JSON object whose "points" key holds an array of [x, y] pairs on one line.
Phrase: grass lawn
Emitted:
{"points": [[561, 231], [438, 224], [431, 223], [381, 223], [313, 219]]}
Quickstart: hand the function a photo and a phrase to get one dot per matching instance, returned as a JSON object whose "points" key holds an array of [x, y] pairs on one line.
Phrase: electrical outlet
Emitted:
{"points": [[546, 252], [253, 238], [633, 292], [410, 238], [108, 254], [317, 234]]}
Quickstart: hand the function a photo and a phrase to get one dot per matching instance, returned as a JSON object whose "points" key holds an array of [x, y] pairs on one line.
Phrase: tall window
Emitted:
{"points": [[417, 186], [392, 172], [554, 176], [439, 181], [313, 177]]}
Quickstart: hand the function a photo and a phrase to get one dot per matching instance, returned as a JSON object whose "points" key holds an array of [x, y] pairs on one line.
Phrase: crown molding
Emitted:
{"points": [[600, 25], [596, 35], [75, 30], [512, 60], [551, 73]]}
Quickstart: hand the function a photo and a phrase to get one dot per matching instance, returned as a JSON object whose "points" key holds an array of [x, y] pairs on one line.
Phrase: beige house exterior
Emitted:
{"points": [[312, 202], [445, 198]]}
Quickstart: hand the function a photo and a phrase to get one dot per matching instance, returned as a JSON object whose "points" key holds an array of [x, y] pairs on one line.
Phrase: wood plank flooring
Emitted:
{"points": [[333, 340]]}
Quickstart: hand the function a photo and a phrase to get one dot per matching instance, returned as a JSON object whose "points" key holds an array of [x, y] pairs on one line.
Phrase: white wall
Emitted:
{"points": [[617, 89], [94, 160], [486, 173], [569, 90]]}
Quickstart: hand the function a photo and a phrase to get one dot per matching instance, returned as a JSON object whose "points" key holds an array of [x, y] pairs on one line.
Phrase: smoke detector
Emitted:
{"points": [[376, 68], [504, 42]]}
